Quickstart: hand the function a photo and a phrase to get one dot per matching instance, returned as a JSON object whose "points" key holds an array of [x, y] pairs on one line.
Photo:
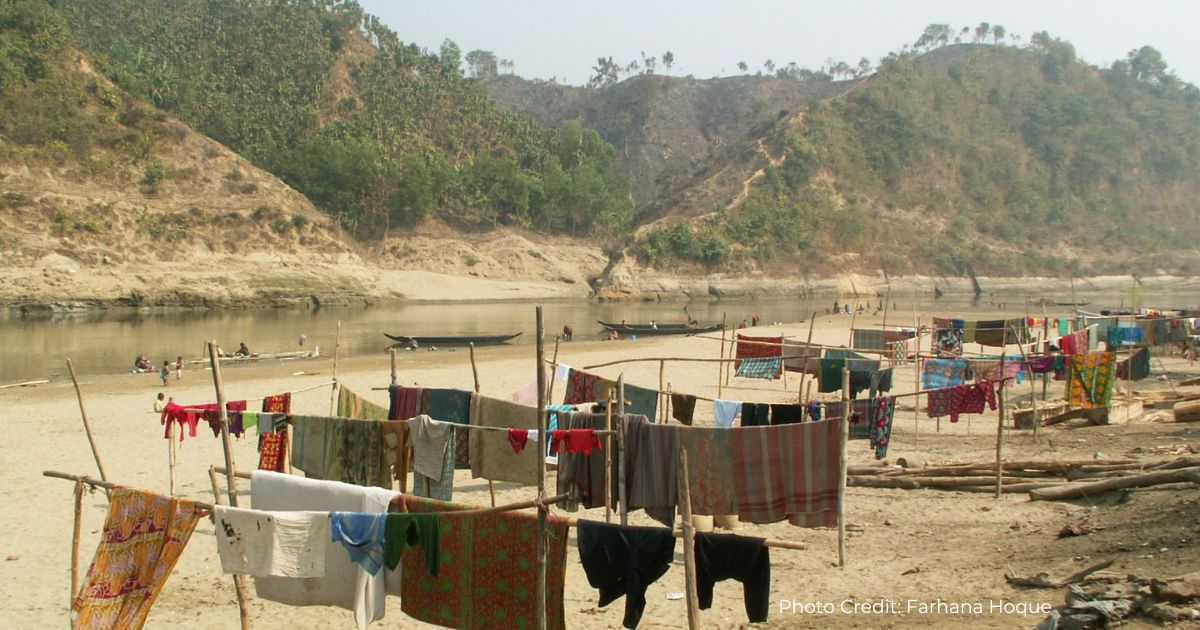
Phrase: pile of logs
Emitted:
{"points": [[1042, 479]]}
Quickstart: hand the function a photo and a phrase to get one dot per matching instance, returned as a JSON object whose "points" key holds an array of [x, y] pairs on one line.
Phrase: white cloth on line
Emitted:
{"points": [[345, 584], [725, 412], [283, 544], [562, 372], [431, 445]]}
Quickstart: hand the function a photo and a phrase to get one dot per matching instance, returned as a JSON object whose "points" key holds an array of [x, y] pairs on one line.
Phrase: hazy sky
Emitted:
{"points": [[563, 38]]}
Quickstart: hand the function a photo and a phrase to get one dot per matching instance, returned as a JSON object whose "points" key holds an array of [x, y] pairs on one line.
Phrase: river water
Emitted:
{"points": [[106, 342]]}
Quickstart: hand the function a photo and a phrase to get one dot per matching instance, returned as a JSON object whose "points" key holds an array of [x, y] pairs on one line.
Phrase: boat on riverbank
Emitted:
{"points": [[658, 329], [262, 356], [454, 340]]}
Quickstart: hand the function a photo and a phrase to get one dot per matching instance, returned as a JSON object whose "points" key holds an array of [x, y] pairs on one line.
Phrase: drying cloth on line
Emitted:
{"points": [[491, 456], [584, 387], [284, 544], [756, 414], [711, 474], [406, 531], [395, 439], [272, 450], [953, 401], [451, 405], [641, 401], [725, 412], [760, 367], [1136, 367], [403, 402], [488, 572], [802, 358], [351, 405], [361, 534], [939, 373], [575, 441], [279, 403], [879, 419], [729, 557], [624, 560], [788, 471], [756, 347], [787, 414], [431, 440], [143, 537], [1091, 383], [345, 584], [583, 472], [866, 339], [651, 476], [683, 408]]}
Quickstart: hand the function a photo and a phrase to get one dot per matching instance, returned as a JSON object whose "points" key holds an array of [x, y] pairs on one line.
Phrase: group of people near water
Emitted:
{"points": [[141, 364], [839, 309]]}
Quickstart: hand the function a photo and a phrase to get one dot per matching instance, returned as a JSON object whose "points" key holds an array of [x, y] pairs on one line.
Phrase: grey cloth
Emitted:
{"points": [[442, 486], [431, 442], [492, 456], [651, 476], [584, 472]]}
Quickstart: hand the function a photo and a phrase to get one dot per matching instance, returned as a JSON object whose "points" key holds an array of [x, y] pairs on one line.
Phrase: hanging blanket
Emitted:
{"points": [[953, 401], [746, 348], [940, 373], [583, 387], [351, 405], [1091, 382], [491, 455], [144, 535], [788, 471], [1136, 367], [760, 367]]}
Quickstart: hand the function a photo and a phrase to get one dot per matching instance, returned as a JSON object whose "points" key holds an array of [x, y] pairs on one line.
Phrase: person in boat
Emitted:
{"points": [[242, 350], [141, 364], [568, 332], [412, 344], [653, 324], [623, 324]]}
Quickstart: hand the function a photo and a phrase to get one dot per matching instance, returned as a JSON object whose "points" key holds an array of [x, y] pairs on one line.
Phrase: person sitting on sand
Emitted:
{"points": [[612, 335], [140, 364], [242, 351], [160, 402]]}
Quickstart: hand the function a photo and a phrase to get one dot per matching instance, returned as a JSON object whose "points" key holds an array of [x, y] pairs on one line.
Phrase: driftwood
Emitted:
{"points": [[1042, 580], [1188, 411], [1082, 489], [875, 481], [1182, 462]]}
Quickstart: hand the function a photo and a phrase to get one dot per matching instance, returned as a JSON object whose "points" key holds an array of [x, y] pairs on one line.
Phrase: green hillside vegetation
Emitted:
{"points": [[57, 112], [376, 132], [972, 158]]}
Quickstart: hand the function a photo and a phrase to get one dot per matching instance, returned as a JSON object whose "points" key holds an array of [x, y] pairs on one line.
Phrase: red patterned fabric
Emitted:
{"points": [[518, 438], [745, 349], [272, 450], [788, 471], [488, 574], [577, 440], [953, 401], [583, 387], [279, 403]]}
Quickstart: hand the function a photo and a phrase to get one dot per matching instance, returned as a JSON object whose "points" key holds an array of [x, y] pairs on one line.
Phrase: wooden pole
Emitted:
{"points": [[662, 407], [171, 453], [917, 375], [474, 369], [689, 542], [87, 426], [216, 486], [804, 361], [721, 364], [239, 581], [608, 460], [75, 542], [887, 302], [393, 357], [543, 513], [842, 466], [621, 490], [853, 318], [1000, 419], [337, 346], [554, 374]]}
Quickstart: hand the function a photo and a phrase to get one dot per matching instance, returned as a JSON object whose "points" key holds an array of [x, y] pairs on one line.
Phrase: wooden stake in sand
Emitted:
{"points": [[1000, 419], [608, 460], [392, 351], [475, 377], [662, 398], [75, 542], [87, 426], [804, 361], [842, 463], [689, 542], [621, 449], [239, 581], [337, 345], [721, 364], [543, 513], [554, 373]]}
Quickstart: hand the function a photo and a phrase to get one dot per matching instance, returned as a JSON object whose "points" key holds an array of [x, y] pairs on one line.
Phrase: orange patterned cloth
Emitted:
{"points": [[1091, 381], [144, 535]]}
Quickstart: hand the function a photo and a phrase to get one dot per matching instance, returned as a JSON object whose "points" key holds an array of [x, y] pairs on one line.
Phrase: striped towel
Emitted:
{"points": [[788, 471], [760, 367]]}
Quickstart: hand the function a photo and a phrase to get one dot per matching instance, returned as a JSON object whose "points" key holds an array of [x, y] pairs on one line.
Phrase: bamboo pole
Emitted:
{"points": [[842, 466], [75, 543], [662, 407], [887, 302], [804, 361], [337, 346], [853, 318], [392, 351], [917, 374], [721, 364], [216, 486], [87, 426], [608, 461], [171, 454], [474, 368], [554, 373], [689, 542], [621, 490], [239, 581], [543, 513], [1000, 419]]}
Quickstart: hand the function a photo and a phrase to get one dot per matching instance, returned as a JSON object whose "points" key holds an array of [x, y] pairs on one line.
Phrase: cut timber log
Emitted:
{"points": [[1029, 418], [1078, 490], [881, 482], [1188, 411]]}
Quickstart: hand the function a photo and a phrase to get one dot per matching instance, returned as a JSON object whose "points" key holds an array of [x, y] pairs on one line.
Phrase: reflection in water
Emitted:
{"points": [[108, 341]]}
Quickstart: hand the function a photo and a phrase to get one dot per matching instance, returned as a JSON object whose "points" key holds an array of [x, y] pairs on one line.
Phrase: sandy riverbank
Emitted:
{"points": [[919, 545]]}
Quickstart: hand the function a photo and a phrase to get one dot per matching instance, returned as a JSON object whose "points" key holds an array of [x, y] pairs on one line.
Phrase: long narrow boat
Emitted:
{"points": [[263, 356], [659, 329], [454, 340]]}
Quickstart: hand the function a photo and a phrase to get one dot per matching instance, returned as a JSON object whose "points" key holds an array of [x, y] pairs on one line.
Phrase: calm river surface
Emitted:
{"points": [[107, 342]]}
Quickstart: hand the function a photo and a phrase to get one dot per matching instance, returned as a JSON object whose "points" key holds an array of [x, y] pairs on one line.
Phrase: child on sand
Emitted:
{"points": [[178, 368], [165, 373]]}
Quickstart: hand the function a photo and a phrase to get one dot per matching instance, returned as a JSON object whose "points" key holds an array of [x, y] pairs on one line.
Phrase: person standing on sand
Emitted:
{"points": [[178, 368], [165, 373], [159, 403]]}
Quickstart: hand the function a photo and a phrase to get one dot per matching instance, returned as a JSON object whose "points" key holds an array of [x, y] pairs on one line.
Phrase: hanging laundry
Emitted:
{"points": [[233, 414], [527, 394], [358, 454], [575, 441], [433, 459], [517, 438], [403, 402], [624, 560], [953, 401], [405, 530], [451, 405], [813, 409], [491, 456], [651, 476], [488, 570], [284, 544], [756, 414], [993, 370], [683, 407], [861, 380], [725, 412], [351, 405], [272, 450], [788, 471], [760, 367], [1064, 326], [710, 469], [786, 414], [183, 416], [396, 441], [561, 372], [1091, 382], [345, 584], [143, 537], [279, 403], [880, 421], [641, 401], [940, 373], [799, 356], [867, 339], [947, 336], [754, 347], [584, 387], [580, 472], [1136, 367], [728, 557], [830, 377], [361, 534]]}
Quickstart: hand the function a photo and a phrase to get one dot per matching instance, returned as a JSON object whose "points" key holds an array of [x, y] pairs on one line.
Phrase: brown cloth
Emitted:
{"points": [[491, 455], [683, 407]]}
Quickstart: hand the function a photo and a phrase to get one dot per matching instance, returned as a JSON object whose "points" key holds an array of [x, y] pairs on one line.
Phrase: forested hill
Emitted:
{"points": [[375, 131], [964, 158]]}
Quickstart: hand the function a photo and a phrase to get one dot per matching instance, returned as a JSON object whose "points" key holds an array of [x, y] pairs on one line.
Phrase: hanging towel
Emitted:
{"points": [[683, 408], [361, 534], [403, 402], [729, 557], [624, 560], [404, 531], [756, 414], [561, 372], [491, 456], [351, 405], [430, 440], [143, 537], [284, 544], [583, 387], [711, 473], [641, 401], [451, 405], [760, 367], [279, 403], [651, 476], [830, 378], [788, 471], [725, 412], [939, 373]]}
